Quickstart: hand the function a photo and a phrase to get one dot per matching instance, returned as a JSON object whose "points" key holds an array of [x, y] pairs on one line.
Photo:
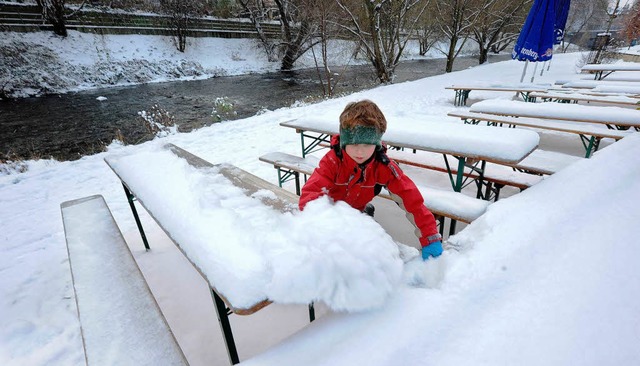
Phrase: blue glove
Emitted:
{"points": [[432, 250]]}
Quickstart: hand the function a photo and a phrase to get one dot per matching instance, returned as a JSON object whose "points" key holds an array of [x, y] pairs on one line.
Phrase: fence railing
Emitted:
{"points": [[20, 18]]}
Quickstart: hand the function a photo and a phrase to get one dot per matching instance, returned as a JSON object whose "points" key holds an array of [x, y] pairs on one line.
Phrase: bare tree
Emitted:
{"points": [[428, 31], [54, 12], [383, 28], [324, 14], [456, 19], [494, 25], [582, 14], [180, 14], [256, 11], [298, 28], [297, 24], [603, 51]]}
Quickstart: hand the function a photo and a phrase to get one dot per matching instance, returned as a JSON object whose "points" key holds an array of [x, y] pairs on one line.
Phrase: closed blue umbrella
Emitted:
{"points": [[535, 42], [562, 13]]}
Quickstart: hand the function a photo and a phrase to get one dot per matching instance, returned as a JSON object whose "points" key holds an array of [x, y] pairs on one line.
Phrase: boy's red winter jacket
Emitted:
{"points": [[344, 180]]}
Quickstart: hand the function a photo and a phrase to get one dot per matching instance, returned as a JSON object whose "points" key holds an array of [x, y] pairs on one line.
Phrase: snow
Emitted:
{"points": [[618, 66], [619, 99], [52, 64], [563, 111], [109, 284], [627, 89], [633, 50], [547, 161], [545, 277], [524, 87], [252, 253]]}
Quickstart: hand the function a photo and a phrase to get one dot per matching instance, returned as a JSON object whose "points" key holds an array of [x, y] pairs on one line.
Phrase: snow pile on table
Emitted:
{"points": [[249, 252]]}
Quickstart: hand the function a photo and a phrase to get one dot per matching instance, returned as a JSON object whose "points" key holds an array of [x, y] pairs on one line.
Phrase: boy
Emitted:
{"points": [[357, 167]]}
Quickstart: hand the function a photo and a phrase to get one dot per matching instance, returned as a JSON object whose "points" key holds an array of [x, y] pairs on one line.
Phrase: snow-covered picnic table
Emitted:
{"points": [[604, 70], [523, 89], [590, 135], [622, 118], [177, 208], [471, 146], [248, 240]]}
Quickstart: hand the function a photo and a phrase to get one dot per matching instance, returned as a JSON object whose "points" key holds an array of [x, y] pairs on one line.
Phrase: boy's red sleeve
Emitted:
{"points": [[321, 181], [407, 195]]}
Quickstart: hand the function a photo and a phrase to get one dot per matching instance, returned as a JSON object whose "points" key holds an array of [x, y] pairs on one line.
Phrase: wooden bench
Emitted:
{"points": [[120, 321], [443, 204], [543, 162], [590, 135], [290, 166], [462, 91], [497, 176]]}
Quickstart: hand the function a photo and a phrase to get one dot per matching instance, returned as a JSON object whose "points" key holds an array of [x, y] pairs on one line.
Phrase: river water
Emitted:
{"points": [[68, 126]]}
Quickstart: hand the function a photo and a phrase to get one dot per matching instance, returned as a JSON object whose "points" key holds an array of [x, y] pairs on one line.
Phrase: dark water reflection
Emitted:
{"points": [[71, 125]]}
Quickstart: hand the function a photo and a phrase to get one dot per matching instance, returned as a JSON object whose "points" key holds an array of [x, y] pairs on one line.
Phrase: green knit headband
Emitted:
{"points": [[365, 135]]}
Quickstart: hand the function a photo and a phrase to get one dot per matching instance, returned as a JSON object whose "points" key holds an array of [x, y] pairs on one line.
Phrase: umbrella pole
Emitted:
{"points": [[524, 71], [542, 68], [534, 72]]}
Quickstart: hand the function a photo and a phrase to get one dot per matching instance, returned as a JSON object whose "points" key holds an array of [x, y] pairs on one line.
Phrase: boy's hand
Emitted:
{"points": [[432, 250]]}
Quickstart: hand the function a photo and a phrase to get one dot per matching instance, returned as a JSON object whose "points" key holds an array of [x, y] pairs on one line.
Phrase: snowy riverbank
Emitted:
{"points": [[41, 63]]}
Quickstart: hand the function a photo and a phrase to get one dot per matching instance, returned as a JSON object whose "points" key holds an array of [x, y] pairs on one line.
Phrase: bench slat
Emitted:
{"points": [[283, 160], [494, 173], [546, 162], [455, 205], [120, 320]]}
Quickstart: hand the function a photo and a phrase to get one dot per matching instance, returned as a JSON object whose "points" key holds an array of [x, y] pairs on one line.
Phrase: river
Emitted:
{"points": [[68, 126]]}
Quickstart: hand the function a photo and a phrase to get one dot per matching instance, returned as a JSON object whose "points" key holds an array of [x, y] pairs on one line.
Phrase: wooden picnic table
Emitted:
{"points": [[621, 118], [589, 135], [471, 146], [183, 229], [604, 70], [524, 90]]}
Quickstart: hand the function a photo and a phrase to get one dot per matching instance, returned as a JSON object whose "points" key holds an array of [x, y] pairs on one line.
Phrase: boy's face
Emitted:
{"points": [[360, 152]]}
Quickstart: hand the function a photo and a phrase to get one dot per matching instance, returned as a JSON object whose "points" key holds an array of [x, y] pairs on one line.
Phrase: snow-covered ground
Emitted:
{"points": [[634, 50], [546, 277], [37, 63]]}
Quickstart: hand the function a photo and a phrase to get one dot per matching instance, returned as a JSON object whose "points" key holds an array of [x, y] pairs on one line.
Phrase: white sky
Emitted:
{"points": [[546, 277]]}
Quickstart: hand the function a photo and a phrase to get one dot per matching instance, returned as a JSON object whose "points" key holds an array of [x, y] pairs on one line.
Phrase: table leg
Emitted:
{"points": [[460, 174], [312, 312], [590, 145], [315, 141], [131, 198], [465, 96], [458, 99], [225, 325]]}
